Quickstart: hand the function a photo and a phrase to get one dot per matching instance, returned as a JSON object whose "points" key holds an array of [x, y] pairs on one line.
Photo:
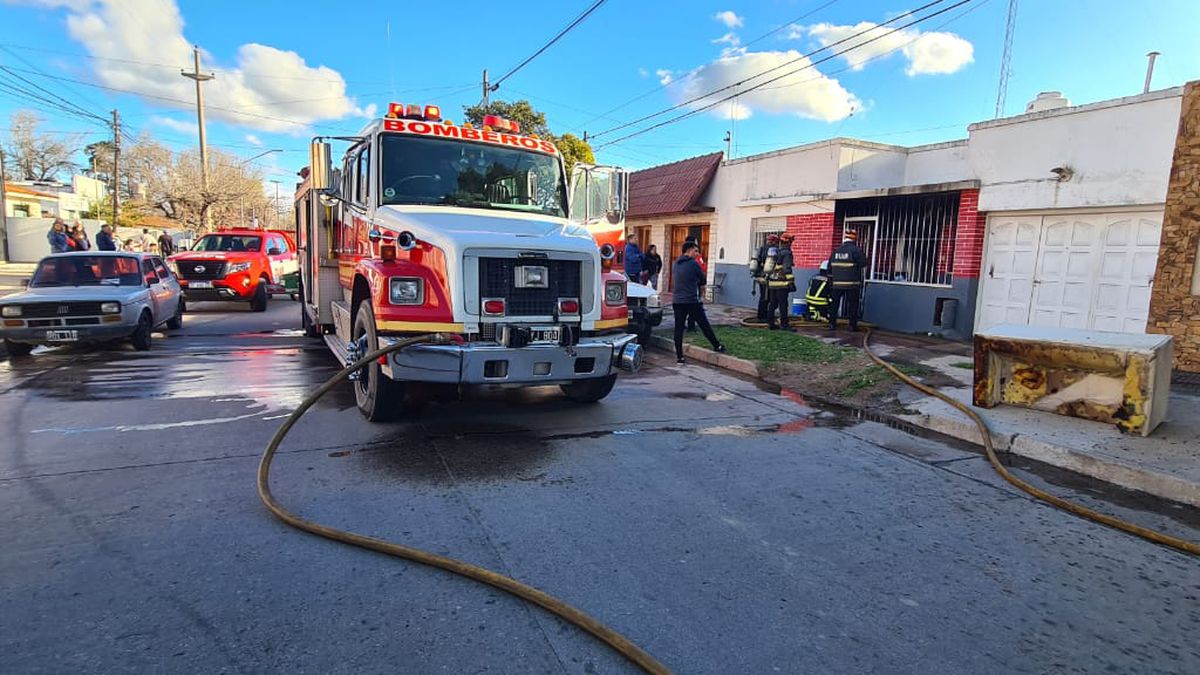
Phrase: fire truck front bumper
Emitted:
{"points": [[494, 364]]}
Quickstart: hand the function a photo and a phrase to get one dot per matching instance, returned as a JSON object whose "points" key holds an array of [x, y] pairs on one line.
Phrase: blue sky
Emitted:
{"points": [[288, 70]]}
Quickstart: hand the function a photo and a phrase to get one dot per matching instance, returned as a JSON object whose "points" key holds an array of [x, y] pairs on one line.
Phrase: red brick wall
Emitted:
{"points": [[968, 240], [814, 238]]}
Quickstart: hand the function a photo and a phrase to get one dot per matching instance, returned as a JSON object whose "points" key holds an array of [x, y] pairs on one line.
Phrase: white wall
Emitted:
{"points": [[1120, 152], [865, 167], [939, 163]]}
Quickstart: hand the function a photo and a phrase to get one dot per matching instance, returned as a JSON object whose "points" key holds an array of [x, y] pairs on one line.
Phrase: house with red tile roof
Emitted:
{"points": [[667, 204]]}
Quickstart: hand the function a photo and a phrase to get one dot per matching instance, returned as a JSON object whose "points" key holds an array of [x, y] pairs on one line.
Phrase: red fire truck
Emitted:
{"points": [[426, 226]]}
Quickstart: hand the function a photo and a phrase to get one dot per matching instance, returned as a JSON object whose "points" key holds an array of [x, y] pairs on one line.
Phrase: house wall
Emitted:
{"points": [[1175, 298], [1119, 151], [937, 163], [660, 236], [12, 200]]}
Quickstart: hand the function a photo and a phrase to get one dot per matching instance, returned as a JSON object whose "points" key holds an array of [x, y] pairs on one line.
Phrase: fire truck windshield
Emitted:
{"points": [[448, 171]]}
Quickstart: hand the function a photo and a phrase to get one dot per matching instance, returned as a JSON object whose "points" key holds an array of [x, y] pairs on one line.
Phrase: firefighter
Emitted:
{"points": [[846, 263], [780, 281], [817, 298], [760, 281]]}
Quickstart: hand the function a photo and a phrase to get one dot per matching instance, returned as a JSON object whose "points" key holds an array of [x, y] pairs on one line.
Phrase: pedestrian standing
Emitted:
{"points": [[780, 282], [57, 237], [689, 281], [105, 240], [653, 265], [166, 245], [846, 262], [80, 238], [145, 241], [633, 259], [691, 322]]}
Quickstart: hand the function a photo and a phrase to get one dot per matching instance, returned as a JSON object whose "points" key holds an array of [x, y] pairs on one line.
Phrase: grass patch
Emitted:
{"points": [[965, 365], [772, 346], [873, 375]]}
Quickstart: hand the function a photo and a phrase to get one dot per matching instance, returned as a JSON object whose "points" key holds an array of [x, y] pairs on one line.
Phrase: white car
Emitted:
{"points": [[92, 296]]}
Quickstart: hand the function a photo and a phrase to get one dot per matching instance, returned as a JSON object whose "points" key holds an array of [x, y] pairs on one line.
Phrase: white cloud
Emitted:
{"points": [[806, 94], [728, 18], [272, 89], [175, 125], [730, 38], [927, 53], [664, 76], [643, 72], [253, 140]]}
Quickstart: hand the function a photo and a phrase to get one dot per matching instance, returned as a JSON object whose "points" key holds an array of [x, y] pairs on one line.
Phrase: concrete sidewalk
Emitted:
{"points": [[1166, 464]]}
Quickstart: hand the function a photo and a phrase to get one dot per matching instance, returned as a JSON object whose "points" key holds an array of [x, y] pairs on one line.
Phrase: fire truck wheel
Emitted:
{"points": [[379, 398], [259, 302], [589, 391]]}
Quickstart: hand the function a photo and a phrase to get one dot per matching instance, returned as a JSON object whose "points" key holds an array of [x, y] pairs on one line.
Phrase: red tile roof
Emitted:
{"points": [[671, 188]]}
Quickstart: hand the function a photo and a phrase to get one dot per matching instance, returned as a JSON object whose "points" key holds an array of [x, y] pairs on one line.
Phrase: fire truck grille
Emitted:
{"points": [[56, 309], [201, 269], [497, 279]]}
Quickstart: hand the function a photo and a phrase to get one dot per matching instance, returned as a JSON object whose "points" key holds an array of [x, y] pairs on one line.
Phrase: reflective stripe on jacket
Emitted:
{"points": [[846, 264]]}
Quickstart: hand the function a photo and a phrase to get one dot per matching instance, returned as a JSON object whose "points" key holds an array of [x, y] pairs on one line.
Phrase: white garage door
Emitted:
{"points": [[1078, 270]]}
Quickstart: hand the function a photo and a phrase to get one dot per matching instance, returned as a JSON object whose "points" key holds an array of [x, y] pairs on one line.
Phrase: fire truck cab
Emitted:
{"points": [[430, 227]]}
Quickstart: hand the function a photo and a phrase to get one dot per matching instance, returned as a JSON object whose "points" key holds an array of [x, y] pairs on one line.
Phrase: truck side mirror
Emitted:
{"points": [[618, 195], [274, 251], [320, 166]]}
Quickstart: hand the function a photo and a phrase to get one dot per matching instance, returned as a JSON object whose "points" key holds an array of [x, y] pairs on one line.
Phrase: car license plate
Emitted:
{"points": [[541, 335], [62, 335], [199, 284]]}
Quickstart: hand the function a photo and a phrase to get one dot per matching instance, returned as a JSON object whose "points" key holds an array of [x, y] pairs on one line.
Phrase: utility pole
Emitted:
{"points": [[728, 145], [3, 213], [486, 87], [200, 78], [116, 188]]}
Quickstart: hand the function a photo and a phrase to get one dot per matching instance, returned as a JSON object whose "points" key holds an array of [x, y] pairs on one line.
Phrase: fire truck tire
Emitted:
{"points": [[379, 398], [17, 348], [589, 391], [259, 302]]}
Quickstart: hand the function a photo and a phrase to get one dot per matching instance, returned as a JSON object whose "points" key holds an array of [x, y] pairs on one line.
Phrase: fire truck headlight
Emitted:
{"points": [[614, 293], [405, 291]]}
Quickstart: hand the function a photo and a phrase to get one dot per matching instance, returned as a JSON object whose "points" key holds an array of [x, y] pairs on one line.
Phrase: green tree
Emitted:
{"points": [[533, 123], [574, 149]]}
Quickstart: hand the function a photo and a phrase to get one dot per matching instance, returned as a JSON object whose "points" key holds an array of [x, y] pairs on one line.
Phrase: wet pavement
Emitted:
{"points": [[723, 526]]}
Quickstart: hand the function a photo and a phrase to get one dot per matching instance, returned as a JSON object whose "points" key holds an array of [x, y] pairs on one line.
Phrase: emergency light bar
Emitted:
{"points": [[497, 123], [413, 111]]}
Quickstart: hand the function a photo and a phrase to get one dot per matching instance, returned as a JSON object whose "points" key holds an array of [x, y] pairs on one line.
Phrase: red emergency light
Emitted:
{"points": [[497, 123], [432, 113]]}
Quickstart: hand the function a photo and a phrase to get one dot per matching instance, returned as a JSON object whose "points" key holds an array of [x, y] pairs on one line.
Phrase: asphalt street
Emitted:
{"points": [[722, 527]]}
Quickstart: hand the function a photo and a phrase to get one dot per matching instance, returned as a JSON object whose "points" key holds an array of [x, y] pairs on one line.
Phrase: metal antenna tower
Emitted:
{"points": [[1006, 60]]}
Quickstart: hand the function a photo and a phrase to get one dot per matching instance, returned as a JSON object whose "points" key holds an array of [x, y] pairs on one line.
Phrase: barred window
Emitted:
{"points": [[762, 227], [907, 239]]}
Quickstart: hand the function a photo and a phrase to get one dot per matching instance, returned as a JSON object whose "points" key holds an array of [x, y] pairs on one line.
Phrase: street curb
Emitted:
{"points": [[1110, 471]]}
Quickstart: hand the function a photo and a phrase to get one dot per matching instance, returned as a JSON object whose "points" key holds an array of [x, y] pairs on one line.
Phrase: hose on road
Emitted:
{"points": [[1067, 505], [613, 639]]}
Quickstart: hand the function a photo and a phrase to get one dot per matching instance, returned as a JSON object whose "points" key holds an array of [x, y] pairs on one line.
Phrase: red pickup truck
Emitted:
{"points": [[236, 265]]}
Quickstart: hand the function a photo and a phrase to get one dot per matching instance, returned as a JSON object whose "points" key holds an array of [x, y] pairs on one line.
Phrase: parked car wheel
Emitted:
{"points": [[176, 322], [589, 391], [259, 302], [379, 398], [145, 330], [17, 348]]}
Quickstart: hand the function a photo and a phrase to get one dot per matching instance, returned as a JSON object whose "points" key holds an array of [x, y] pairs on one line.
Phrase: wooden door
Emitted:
{"points": [[680, 234]]}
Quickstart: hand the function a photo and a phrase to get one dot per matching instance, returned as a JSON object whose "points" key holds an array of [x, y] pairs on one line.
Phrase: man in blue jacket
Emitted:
{"points": [[104, 240], [689, 279], [633, 259]]}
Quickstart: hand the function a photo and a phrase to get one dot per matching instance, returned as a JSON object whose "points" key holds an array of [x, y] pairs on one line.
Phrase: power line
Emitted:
{"points": [[802, 57], [579, 19], [811, 64], [670, 82]]}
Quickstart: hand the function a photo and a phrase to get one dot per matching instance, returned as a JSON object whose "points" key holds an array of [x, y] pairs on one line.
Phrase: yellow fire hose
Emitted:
{"points": [[1067, 505], [613, 639]]}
